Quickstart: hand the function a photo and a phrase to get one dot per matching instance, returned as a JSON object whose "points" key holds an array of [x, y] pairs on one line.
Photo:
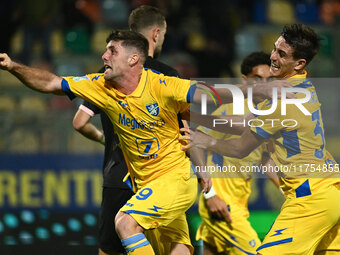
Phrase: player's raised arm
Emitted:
{"points": [[36, 79], [222, 123], [236, 148]]}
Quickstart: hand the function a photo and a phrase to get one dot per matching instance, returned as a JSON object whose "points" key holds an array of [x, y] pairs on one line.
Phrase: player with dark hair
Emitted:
{"points": [[256, 66], [151, 23], [309, 219], [225, 228], [143, 105]]}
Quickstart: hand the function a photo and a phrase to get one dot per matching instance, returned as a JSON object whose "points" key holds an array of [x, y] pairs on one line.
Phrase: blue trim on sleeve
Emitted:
{"points": [[248, 253], [152, 70], [303, 190], [141, 213], [305, 84], [66, 88], [291, 142], [138, 246], [262, 133], [191, 93], [133, 239], [266, 245]]}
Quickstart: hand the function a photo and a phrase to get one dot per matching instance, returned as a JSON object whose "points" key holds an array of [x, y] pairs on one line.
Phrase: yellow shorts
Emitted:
{"points": [[306, 225], [162, 238], [236, 238], [162, 204]]}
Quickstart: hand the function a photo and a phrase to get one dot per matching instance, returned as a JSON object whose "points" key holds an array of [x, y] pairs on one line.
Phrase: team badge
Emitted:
{"points": [[252, 243], [153, 109]]}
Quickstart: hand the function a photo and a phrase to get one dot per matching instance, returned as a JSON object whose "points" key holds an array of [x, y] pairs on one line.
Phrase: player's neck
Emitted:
{"points": [[295, 72], [128, 83], [151, 51]]}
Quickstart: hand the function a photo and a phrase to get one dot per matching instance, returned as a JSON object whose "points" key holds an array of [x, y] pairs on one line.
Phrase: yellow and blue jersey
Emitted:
{"points": [[146, 120], [231, 186], [299, 142]]}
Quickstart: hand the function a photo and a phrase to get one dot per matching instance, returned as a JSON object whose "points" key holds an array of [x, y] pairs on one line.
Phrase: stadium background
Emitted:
{"points": [[50, 176]]}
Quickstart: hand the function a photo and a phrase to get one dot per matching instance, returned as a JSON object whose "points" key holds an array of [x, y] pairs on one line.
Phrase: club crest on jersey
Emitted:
{"points": [[252, 243], [153, 109]]}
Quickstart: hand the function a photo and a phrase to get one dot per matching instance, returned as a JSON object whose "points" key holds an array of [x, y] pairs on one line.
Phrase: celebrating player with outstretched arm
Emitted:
{"points": [[150, 22], [144, 112], [143, 106]]}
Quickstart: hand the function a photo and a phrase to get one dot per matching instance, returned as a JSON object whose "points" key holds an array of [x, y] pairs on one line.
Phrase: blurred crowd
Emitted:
{"points": [[200, 37]]}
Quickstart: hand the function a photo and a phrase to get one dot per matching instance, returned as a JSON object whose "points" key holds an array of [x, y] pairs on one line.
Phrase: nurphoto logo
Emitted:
{"points": [[238, 100]]}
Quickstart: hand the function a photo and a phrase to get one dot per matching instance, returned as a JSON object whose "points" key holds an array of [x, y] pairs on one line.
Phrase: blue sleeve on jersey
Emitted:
{"points": [[262, 133], [291, 142], [66, 88], [191, 93]]}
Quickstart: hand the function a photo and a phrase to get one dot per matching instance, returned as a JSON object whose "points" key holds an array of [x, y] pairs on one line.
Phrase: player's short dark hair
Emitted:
{"points": [[254, 59], [303, 39], [145, 16], [130, 39]]}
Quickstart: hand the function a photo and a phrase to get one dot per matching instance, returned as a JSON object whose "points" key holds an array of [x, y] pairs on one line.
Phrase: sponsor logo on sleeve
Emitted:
{"points": [[81, 78]]}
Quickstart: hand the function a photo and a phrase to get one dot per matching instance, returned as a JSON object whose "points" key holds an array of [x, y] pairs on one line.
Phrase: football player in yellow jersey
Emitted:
{"points": [[143, 106], [309, 219], [232, 190]]}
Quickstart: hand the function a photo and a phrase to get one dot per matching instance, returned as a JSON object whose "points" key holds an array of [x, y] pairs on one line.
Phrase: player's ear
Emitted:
{"points": [[155, 34], [300, 64], [133, 59]]}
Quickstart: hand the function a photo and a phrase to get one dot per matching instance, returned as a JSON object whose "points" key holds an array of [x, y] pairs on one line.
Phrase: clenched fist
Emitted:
{"points": [[5, 62]]}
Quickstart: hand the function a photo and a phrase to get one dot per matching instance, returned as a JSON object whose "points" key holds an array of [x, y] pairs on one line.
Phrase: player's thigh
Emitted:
{"points": [[224, 236], [227, 241], [164, 238], [303, 223], [330, 244], [161, 201], [159, 246]]}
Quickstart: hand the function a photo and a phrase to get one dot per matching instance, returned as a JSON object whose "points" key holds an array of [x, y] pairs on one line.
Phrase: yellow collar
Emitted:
{"points": [[140, 87], [298, 78]]}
